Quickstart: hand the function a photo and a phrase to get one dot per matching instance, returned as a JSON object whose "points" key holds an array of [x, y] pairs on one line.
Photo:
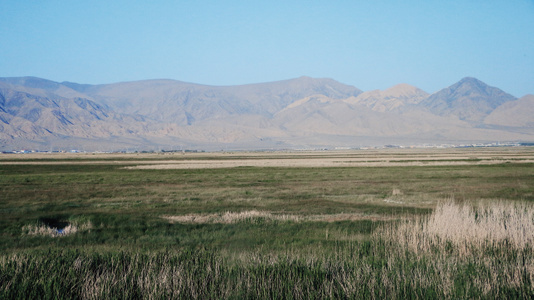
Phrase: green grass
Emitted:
{"points": [[357, 270], [127, 239]]}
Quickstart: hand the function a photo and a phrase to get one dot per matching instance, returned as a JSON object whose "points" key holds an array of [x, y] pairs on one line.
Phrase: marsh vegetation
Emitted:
{"points": [[77, 228]]}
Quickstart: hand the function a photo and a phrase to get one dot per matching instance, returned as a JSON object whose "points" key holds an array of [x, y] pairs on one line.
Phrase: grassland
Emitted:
{"points": [[361, 224]]}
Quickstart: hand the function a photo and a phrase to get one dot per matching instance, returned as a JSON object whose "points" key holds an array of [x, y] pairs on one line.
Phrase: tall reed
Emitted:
{"points": [[467, 227]]}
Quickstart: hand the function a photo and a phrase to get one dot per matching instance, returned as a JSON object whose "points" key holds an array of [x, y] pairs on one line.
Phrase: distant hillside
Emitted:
{"points": [[470, 99], [518, 113], [296, 113], [393, 98], [187, 103]]}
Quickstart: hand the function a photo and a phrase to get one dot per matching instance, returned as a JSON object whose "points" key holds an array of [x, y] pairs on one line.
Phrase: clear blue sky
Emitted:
{"points": [[368, 44]]}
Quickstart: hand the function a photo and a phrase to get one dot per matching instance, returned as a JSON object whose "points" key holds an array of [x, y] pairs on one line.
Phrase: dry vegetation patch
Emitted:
{"points": [[466, 227], [46, 230], [236, 217], [321, 163]]}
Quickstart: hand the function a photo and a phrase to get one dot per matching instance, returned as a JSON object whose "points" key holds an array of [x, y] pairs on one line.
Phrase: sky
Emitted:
{"points": [[371, 45]]}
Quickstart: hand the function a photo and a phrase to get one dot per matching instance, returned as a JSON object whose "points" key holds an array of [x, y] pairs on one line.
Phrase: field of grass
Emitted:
{"points": [[417, 230]]}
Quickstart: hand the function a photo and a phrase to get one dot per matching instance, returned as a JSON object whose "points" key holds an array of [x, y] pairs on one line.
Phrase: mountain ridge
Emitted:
{"points": [[469, 99], [298, 112]]}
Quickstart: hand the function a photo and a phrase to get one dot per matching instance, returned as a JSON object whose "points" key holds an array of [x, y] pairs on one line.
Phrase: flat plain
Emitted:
{"points": [[300, 224]]}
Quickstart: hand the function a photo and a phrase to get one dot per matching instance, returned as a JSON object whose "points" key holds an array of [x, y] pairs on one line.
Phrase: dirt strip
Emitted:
{"points": [[314, 163]]}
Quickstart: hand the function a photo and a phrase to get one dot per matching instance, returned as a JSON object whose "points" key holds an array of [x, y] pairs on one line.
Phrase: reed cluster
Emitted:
{"points": [[467, 228]]}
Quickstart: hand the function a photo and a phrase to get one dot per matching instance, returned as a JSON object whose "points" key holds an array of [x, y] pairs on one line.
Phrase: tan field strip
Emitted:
{"points": [[315, 163], [297, 159]]}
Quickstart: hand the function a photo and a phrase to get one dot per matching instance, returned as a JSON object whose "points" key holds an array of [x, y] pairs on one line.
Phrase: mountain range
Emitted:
{"points": [[305, 112]]}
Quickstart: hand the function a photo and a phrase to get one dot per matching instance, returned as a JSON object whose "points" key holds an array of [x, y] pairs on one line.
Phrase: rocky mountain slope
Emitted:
{"points": [[470, 99], [390, 99], [303, 112]]}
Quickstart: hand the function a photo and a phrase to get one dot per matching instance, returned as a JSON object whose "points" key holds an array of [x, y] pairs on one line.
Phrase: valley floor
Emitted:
{"points": [[392, 223]]}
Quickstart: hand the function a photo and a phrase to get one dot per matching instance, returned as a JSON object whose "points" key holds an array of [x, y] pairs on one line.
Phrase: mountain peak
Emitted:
{"points": [[469, 99], [403, 90], [471, 83], [469, 79], [473, 86]]}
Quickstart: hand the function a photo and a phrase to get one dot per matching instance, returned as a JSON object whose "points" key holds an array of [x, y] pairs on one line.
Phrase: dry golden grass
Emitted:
{"points": [[236, 217], [468, 227]]}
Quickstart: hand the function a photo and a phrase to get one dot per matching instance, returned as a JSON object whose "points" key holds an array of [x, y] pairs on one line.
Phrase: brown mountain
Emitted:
{"points": [[390, 99], [38, 114], [469, 99], [302, 112], [186, 103], [518, 113]]}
